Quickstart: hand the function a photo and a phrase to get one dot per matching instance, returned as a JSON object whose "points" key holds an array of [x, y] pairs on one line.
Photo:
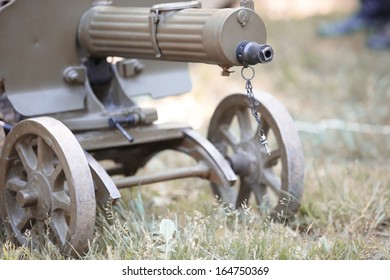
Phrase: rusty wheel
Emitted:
{"points": [[46, 187], [275, 181]]}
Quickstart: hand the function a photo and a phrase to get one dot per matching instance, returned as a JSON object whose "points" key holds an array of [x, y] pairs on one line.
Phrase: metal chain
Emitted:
{"points": [[253, 103]]}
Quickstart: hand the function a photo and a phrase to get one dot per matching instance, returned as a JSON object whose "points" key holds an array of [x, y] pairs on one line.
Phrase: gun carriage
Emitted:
{"points": [[66, 107]]}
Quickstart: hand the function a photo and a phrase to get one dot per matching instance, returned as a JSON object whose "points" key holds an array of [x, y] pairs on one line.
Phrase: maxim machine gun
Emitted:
{"points": [[66, 107]]}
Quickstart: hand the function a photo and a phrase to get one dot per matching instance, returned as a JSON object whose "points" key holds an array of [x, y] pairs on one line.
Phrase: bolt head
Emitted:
{"points": [[243, 17]]}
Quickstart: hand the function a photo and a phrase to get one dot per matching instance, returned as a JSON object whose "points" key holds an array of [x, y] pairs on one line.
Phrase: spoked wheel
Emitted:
{"points": [[275, 181], [46, 188], [2, 138]]}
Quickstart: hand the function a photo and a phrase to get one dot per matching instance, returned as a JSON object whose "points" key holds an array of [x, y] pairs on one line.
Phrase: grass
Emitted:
{"points": [[345, 212]]}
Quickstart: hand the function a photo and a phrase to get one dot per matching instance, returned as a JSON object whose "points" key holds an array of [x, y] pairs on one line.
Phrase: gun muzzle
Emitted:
{"points": [[175, 32], [251, 53]]}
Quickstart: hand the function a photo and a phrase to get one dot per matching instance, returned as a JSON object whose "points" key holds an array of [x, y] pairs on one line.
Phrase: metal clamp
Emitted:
{"points": [[154, 18]]}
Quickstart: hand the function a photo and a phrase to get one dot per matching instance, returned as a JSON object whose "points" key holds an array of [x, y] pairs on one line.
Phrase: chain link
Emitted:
{"points": [[253, 103]]}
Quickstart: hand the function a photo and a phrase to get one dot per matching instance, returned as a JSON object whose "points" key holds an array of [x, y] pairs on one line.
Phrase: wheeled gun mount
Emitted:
{"points": [[178, 31], [71, 105]]}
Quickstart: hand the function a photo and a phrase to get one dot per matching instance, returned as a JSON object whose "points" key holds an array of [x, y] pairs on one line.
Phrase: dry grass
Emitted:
{"points": [[345, 212]]}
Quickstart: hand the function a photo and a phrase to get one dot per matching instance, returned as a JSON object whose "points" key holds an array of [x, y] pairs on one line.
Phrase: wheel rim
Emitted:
{"points": [[2, 139], [275, 180], [46, 186]]}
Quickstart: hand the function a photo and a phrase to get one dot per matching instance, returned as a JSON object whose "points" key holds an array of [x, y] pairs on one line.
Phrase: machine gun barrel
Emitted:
{"points": [[174, 33]]}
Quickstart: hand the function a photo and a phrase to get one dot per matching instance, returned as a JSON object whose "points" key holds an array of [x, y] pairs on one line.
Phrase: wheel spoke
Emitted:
{"points": [[61, 201], [60, 228], [45, 157], [255, 133], [272, 159], [244, 193], [57, 178], [228, 136], [40, 228], [270, 179], [27, 156], [244, 123], [265, 126], [24, 222], [262, 198], [38, 232], [15, 185]]}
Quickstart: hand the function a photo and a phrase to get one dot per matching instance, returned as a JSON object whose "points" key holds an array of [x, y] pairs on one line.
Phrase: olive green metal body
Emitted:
{"points": [[46, 57]]}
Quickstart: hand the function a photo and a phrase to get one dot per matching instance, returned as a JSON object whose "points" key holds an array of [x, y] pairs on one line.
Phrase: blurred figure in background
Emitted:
{"points": [[372, 15]]}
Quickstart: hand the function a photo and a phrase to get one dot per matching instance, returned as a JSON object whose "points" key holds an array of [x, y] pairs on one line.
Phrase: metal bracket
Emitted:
{"points": [[249, 4], [155, 16], [129, 68]]}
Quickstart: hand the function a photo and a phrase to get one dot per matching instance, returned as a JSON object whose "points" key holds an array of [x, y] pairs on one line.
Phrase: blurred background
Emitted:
{"points": [[337, 91]]}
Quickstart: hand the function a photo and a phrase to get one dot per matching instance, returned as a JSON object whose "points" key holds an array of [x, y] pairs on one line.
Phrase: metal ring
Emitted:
{"points": [[243, 74]]}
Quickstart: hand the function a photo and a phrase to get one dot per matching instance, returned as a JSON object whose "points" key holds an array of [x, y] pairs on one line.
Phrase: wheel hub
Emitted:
{"points": [[37, 196], [247, 161]]}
